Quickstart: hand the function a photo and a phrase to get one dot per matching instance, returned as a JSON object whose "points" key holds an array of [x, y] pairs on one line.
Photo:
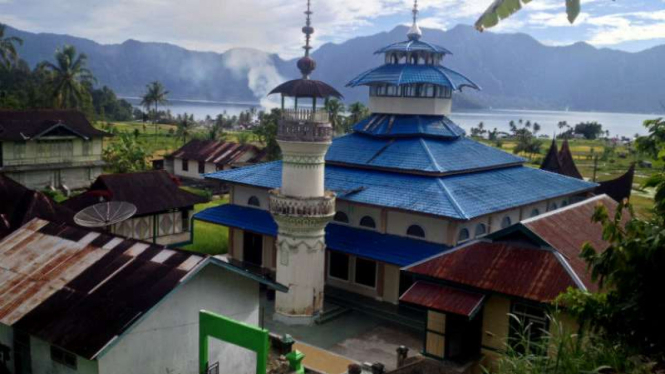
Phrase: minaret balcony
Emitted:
{"points": [[305, 125], [306, 207]]}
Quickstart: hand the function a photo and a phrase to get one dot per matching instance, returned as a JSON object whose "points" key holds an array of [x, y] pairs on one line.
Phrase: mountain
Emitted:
{"points": [[514, 70]]}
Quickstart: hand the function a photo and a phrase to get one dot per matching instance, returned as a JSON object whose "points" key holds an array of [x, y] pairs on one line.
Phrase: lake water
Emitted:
{"points": [[626, 124]]}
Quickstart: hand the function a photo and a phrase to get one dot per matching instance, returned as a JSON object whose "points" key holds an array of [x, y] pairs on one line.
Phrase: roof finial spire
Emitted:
{"points": [[414, 32], [307, 64]]}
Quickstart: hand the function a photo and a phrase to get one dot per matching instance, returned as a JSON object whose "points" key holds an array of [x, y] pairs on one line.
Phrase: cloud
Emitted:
{"points": [[624, 27]]}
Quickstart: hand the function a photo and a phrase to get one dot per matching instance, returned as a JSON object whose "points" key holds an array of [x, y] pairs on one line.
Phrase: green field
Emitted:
{"points": [[208, 238]]}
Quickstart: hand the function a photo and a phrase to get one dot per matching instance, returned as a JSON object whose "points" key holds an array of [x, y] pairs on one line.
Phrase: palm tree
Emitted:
{"points": [[154, 96], [70, 80], [8, 53], [185, 126], [334, 108], [358, 111]]}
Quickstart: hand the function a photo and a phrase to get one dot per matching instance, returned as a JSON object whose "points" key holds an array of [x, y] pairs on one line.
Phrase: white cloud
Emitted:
{"points": [[624, 27]]}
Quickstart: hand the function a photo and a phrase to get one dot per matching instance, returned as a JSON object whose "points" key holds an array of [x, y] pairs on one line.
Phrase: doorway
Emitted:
{"points": [[463, 337], [252, 248]]}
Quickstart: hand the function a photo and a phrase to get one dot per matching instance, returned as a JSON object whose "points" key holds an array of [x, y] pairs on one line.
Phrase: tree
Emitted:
{"points": [[8, 52], [335, 108], [358, 112], [125, 155], [590, 130], [243, 137], [501, 9], [154, 96], [266, 132], [185, 125], [654, 146], [69, 79]]}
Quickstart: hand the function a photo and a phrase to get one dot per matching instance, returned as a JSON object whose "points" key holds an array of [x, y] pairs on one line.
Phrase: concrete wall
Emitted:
{"points": [[144, 228], [410, 105], [435, 228], [241, 195], [43, 364], [6, 341], [166, 341]]}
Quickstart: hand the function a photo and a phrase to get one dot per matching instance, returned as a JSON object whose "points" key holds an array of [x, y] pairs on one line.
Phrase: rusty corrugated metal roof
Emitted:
{"points": [[218, 152], [443, 298], [507, 268], [567, 229], [79, 289]]}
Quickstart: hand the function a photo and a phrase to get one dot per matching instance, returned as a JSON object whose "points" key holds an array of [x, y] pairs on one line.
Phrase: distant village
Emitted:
{"points": [[319, 237]]}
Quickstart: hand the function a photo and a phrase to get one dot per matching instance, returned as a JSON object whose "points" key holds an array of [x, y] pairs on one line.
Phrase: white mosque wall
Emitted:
{"points": [[410, 105], [242, 194], [435, 228]]}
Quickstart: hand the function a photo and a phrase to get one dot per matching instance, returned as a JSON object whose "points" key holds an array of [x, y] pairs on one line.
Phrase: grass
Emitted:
{"points": [[209, 238]]}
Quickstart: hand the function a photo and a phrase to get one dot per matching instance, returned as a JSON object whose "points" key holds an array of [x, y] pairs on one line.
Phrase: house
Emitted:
{"points": [[50, 148], [206, 156], [78, 301], [405, 185], [469, 291], [19, 205], [163, 210]]}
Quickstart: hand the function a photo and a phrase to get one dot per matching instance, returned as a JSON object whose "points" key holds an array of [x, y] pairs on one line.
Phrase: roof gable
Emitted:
{"points": [[567, 162], [28, 125]]}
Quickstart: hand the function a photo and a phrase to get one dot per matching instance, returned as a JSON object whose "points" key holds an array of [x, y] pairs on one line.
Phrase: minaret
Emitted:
{"points": [[301, 207]]}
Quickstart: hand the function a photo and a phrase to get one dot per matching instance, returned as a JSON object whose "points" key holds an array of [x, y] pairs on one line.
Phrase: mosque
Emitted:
{"points": [[405, 185]]}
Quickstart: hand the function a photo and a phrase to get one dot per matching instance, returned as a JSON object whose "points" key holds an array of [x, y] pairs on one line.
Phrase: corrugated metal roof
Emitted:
{"points": [[79, 289], [567, 229], [20, 125], [443, 298], [150, 191], [419, 154], [459, 196], [414, 46], [218, 152], [508, 268], [393, 125], [369, 244], [403, 74]]}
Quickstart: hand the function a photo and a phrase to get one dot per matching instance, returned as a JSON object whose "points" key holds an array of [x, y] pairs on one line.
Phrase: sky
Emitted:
{"points": [[274, 25]]}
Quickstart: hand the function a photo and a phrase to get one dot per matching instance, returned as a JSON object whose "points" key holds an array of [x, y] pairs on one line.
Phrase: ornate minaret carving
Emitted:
{"points": [[301, 207]]}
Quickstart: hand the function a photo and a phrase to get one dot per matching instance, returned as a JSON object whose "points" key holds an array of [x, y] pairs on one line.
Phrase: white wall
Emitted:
{"points": [[410, 105], [42, 363], [435, 228], [166, 341], [241, 195]]}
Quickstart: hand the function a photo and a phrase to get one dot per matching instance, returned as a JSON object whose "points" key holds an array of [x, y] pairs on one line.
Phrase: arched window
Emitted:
{"points": [[463, 235], [535, 212], [564, 203], [368, 221], [415, 230], [341, 217], [481, 229], [553, 206], [505, 222], [254, 201]]}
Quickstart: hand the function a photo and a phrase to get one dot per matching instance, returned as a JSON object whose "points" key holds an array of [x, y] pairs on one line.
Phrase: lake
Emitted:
{"points": [[626, 124]]}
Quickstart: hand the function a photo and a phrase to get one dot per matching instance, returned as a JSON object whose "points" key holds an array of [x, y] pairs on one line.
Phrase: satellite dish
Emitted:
{"points": [[105, 214]]}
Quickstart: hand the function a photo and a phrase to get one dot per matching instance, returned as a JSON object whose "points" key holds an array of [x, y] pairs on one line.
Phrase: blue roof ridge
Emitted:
{"points": [[437, 167], [475, 85], [452, 200], [448, 127]]}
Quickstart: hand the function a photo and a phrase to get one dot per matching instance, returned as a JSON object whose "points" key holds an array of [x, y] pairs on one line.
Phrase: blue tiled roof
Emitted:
{"points": [[402, 74], [412, 46], [373, 245], [458, 196], [388, 125], [429, 155]]}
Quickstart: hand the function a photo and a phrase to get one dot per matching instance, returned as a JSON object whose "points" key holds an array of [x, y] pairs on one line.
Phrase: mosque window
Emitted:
{"points": [[415, 230], [368, 221], [564, 203], [553, 206], [254, 201], [414, 59], [505, 222], [338, 266], [481, 229], [463, 235], [341, 217], [535, 212], [366, 272], [394, 59]]}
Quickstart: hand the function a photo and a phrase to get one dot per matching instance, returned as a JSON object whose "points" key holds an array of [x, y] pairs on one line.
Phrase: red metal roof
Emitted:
{"points": [[443, 298], [508, 268], [218, 152], [79, 289], [567, 229]]}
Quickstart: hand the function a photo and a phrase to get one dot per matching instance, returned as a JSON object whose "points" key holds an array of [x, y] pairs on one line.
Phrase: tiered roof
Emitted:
{"points": [[405, 74]]}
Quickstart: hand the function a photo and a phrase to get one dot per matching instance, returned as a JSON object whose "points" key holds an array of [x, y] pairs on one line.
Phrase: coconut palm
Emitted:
{"points": [[154, 96], [334, 108], [186, 125], [358, 111], [8, 53], [69, 78]]}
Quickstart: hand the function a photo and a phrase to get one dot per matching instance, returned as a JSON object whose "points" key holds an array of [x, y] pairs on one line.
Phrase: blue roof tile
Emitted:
{"points": [[429, 155], [387, 125], [403, 74], [369, 244], [458, 196], [414, 46]]}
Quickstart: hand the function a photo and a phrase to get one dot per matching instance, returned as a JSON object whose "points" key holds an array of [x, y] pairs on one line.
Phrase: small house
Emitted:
{"points": [[57, 149], [78, 301], [163, 209], [468, 292]]}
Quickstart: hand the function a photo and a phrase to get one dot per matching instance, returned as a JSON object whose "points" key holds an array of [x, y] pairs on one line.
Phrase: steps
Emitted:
{"points": [[330, 313]]}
